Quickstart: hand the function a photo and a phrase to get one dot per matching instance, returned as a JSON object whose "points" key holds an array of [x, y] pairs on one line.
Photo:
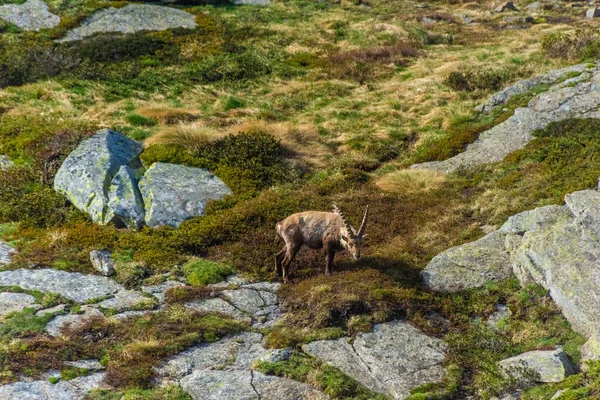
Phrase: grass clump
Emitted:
{"points": [[140, 120], [23, 323], [204, 272], [411, 181], [326, 378]]}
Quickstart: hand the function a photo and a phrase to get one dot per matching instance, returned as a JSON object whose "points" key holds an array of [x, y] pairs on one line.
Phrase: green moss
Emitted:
{"points": [[203, 272], [330, 380], [170, 392], [23, 323], [69, 373], [138, 120]]}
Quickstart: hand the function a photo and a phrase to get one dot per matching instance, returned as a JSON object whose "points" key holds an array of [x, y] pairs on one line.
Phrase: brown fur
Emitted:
{"points": [[316, 230]]}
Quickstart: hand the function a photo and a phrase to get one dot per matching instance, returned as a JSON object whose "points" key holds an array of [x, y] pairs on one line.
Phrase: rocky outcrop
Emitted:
{"points": [[6, 252], [105, 178], [540, 366], [393, 359], [10, 302], [86, 174], [102, 262], [132, 18], [577, 97], [557, 247], [32, 15], [74, 389], [173, 193]]}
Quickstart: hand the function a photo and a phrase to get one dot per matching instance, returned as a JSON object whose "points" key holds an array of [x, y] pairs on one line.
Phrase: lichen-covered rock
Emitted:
{"points": [[470, 265], [125, 199], [52, 310], [32, 15], [158, 291], [393, 359], [219, 385], [102, 262], [132, 18], [85, 175], [10, 302], [173, 193], [6, 252], [74, 389], [91, 365], [72, 285], [578, 98], [73, 321], [218, 305], [543, 366]]}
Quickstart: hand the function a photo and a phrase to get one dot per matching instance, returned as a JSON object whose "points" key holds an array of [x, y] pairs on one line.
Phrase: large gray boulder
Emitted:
{"points": [[75, 389], [578, 97], [32, 15], [173, 193], [132, 18], [470, 265], [86, 174], [540, 366], [393, 359]]}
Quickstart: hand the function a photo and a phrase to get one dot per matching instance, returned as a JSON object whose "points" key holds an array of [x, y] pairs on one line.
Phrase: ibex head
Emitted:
{"points": [[351, 238]]}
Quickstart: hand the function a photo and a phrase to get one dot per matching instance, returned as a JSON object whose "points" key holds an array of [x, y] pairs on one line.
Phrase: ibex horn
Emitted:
{"points": [[363, 224], [337, 210]]}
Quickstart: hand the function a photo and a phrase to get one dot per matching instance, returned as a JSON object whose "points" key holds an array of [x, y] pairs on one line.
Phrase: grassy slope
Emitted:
{"points": [[353, 92]]}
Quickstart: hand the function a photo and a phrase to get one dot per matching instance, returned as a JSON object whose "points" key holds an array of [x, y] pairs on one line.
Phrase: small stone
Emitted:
{"points": [[592, 13], [74, 321], [252, 2], [102, 262], [506, 6], [10, 302], [502, 313], [558, 394], [52, 310], [5, 163], [91, 365], [534, 6], [6, 252], [428, 21], [277, 355], [540, 366]]}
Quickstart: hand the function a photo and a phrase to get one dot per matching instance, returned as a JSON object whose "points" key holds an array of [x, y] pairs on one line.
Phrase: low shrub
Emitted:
{"points": [[487, 80], [579, 45], [203, 272]]}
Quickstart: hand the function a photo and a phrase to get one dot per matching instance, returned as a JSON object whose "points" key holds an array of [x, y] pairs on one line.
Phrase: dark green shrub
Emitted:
{"points": [[476, 80], [233, 102], [138, 120], [580, 45]]}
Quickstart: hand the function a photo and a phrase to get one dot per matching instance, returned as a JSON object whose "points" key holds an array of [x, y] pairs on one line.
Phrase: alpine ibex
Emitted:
{"points": [[317, 230]]}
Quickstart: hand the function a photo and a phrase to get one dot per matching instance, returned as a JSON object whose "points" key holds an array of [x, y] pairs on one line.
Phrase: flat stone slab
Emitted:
{"points": [[74, 389], [32, 15], [91, 364], [10, 302], [559, 103], [58, 323], [393, 359], [236, 352], [132, 18], [6, 252], [72, 285], [220, 385], [545, 366], [125, 299]]}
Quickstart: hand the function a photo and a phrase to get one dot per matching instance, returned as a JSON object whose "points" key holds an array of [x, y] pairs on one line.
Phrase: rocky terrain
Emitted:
{"points": [[148, 150]]}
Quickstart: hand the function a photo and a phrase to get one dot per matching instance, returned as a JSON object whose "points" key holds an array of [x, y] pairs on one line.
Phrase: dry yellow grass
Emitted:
{"points": [[191, 136], [167, 115], [408, 181]]}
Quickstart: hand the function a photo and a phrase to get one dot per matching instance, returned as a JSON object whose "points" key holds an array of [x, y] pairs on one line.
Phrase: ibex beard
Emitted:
{"points": [[317, 230]]}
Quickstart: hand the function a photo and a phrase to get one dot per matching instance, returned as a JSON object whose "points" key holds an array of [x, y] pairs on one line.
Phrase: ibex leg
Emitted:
{"points": [[287, 260], [278, 260], [330, 255]]}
